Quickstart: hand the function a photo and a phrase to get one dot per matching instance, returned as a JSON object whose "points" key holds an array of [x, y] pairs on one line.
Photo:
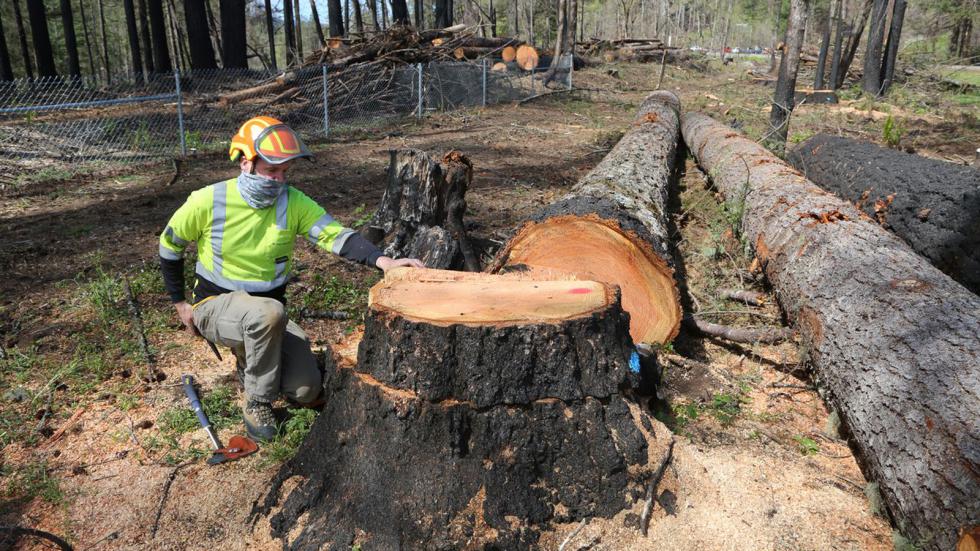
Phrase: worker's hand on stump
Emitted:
{"points": [[386, 263], [186, 314]]}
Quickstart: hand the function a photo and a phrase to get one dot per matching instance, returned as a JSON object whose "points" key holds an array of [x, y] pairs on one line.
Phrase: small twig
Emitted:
{"points": [[748, 298], [652, 488], [663, 67], [307, 313], [760, 335], [17, 531], [134, 313], [67, 425], [163, 497], [573, 534]]}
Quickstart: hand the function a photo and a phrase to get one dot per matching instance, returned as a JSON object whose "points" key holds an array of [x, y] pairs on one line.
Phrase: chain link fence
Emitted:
{"points": [[169, 115]]}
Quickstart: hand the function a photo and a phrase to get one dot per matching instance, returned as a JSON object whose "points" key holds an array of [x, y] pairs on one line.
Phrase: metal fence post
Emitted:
{"points": [[180, 116], [484, 82], [326, 105], [418, 110], [571, 69]]}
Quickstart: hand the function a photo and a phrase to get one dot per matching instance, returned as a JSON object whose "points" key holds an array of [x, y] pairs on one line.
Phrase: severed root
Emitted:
{"points": [[17, 531], [760, 335], [749, 298], [652, 489]]}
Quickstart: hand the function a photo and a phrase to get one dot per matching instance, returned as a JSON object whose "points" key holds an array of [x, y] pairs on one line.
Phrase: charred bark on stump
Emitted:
{"points": [[421, 211], [624, 198], [932, 205], [451, 435], [893, 340]]}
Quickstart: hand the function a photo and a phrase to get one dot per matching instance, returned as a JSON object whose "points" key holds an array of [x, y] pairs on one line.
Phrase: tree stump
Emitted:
{"points": [[482, 408], [613, 225], [421, 211], [891, 339]]}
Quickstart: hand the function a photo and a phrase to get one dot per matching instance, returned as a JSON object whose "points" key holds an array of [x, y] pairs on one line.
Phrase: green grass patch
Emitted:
{"points": [[30, 480], [219, 403], [291, 435], [333, 293], [806, 445]]}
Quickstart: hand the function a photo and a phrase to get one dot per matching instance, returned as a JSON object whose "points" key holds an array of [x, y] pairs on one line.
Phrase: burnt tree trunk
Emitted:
{"points": [[105, 42], [421, 211], [233, 43], [71, 42], [471, 421], [199, 35], [932, 205], [336, 19], [783, 99], [25, 51], [316, 24], [38, 17], [373, 8], [444, 14], [818, 81], [892, 339], [612, 227], [857, 29], [287, 29], [6, 70], [399, 12], [270, 32], [358, 19], [158, 32], [134, 39], [298, 28], [871, 80], [838, 44], [891, 48], [147, 46]]}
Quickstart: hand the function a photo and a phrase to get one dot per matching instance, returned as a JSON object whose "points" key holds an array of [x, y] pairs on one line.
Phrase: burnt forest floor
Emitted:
{"points": [[89, 446]]}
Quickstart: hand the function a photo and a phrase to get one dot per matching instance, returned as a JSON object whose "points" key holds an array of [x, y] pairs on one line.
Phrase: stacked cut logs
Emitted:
{"points": [[627, 49]]}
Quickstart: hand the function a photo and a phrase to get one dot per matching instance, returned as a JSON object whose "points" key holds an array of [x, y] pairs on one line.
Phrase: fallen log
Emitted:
{"points": [[612, 227], [526, 57], [474, 52], [482, 409], [933, 205], [508, 54], [892, 339]]}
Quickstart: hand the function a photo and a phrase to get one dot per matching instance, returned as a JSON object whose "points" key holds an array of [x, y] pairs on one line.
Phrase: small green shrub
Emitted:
{"points": [[891, 132]]}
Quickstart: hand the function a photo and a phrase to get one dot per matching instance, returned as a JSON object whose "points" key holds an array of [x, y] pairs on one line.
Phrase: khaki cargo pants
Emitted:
{"points": [[273, 350]]}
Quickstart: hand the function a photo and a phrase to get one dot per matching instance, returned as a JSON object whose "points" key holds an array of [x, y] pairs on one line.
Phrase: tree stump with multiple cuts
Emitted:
{"points": [[613, 225], [893, 340], [933, 205], [482, 408], [421, 211]]}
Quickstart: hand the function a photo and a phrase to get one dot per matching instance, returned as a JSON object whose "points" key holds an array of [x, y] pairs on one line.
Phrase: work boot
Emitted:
{"points": [[260, 421]]}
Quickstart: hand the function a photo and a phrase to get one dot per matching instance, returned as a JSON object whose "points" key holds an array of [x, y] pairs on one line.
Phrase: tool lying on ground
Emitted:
{"points": [[238, 446]]}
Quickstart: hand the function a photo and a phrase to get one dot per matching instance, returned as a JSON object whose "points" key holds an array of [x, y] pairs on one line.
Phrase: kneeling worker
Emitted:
{"points": [[245, 229]]}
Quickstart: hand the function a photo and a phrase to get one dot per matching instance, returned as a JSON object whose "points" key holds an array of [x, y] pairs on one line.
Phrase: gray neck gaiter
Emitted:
{"points": [[259, 192]]}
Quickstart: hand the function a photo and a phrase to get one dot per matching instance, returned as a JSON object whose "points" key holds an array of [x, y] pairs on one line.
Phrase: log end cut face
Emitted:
{"points": [[598, 249], [444, 298]]}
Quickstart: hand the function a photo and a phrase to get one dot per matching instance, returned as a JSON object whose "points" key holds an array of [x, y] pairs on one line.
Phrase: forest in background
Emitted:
{"points": [[101, 38]]}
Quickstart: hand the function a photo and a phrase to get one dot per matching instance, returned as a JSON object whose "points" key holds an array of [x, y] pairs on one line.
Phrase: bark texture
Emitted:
{"points": [[871, 80], [627, 192], [891, 338], [783, 98], [469, 436], [933, 205]]}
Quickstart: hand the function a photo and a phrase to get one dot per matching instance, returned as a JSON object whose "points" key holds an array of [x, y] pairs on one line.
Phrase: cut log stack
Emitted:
{"points": [[893, 340], [482, 408], [933, 205], [612, 227]]}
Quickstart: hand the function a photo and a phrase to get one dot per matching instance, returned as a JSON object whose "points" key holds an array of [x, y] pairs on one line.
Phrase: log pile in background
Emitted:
{"points": [[892, 339], [482, 409], [612, 227], [931, 204]]}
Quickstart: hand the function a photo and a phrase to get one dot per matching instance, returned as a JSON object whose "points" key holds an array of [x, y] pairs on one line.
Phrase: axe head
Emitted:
{"points": [[237, 447]]}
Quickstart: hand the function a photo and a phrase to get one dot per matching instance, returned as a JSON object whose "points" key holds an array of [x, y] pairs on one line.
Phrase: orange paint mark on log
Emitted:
{"points": [[828, 217], [580, 291], [650, 117]]}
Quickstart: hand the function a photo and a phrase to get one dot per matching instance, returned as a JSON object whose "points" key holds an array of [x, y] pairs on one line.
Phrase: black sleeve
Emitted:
{"points": [[173, 278], [359, 249]]}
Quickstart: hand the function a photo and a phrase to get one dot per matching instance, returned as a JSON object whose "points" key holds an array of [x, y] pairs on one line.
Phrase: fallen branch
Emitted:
{"points": [[573, 534], [67, 425], [152, 375], [759, 335], [163, 497], [307, 313], [749, 298], [17, 531], [652, 488]]}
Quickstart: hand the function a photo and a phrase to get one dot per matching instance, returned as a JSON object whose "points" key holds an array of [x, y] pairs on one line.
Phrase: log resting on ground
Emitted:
{"points": [[482, 409], [892, 339], [613, 225], [931, 204]]}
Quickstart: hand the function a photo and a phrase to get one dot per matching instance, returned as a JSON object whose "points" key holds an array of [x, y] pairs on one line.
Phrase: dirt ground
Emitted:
{"points": [[89, 447]]}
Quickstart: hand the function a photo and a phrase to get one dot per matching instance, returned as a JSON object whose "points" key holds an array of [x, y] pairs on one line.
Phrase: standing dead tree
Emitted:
{"points": [[891, 338], [784, 97]]}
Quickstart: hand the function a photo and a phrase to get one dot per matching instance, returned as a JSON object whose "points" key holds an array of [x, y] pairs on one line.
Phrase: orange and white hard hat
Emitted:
{"points": [[268, 139]]}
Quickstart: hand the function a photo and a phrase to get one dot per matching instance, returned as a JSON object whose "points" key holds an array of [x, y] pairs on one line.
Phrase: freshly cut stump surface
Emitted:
{"points": [[612, 227], [933, 205], [472, 429], [894, 341]]}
